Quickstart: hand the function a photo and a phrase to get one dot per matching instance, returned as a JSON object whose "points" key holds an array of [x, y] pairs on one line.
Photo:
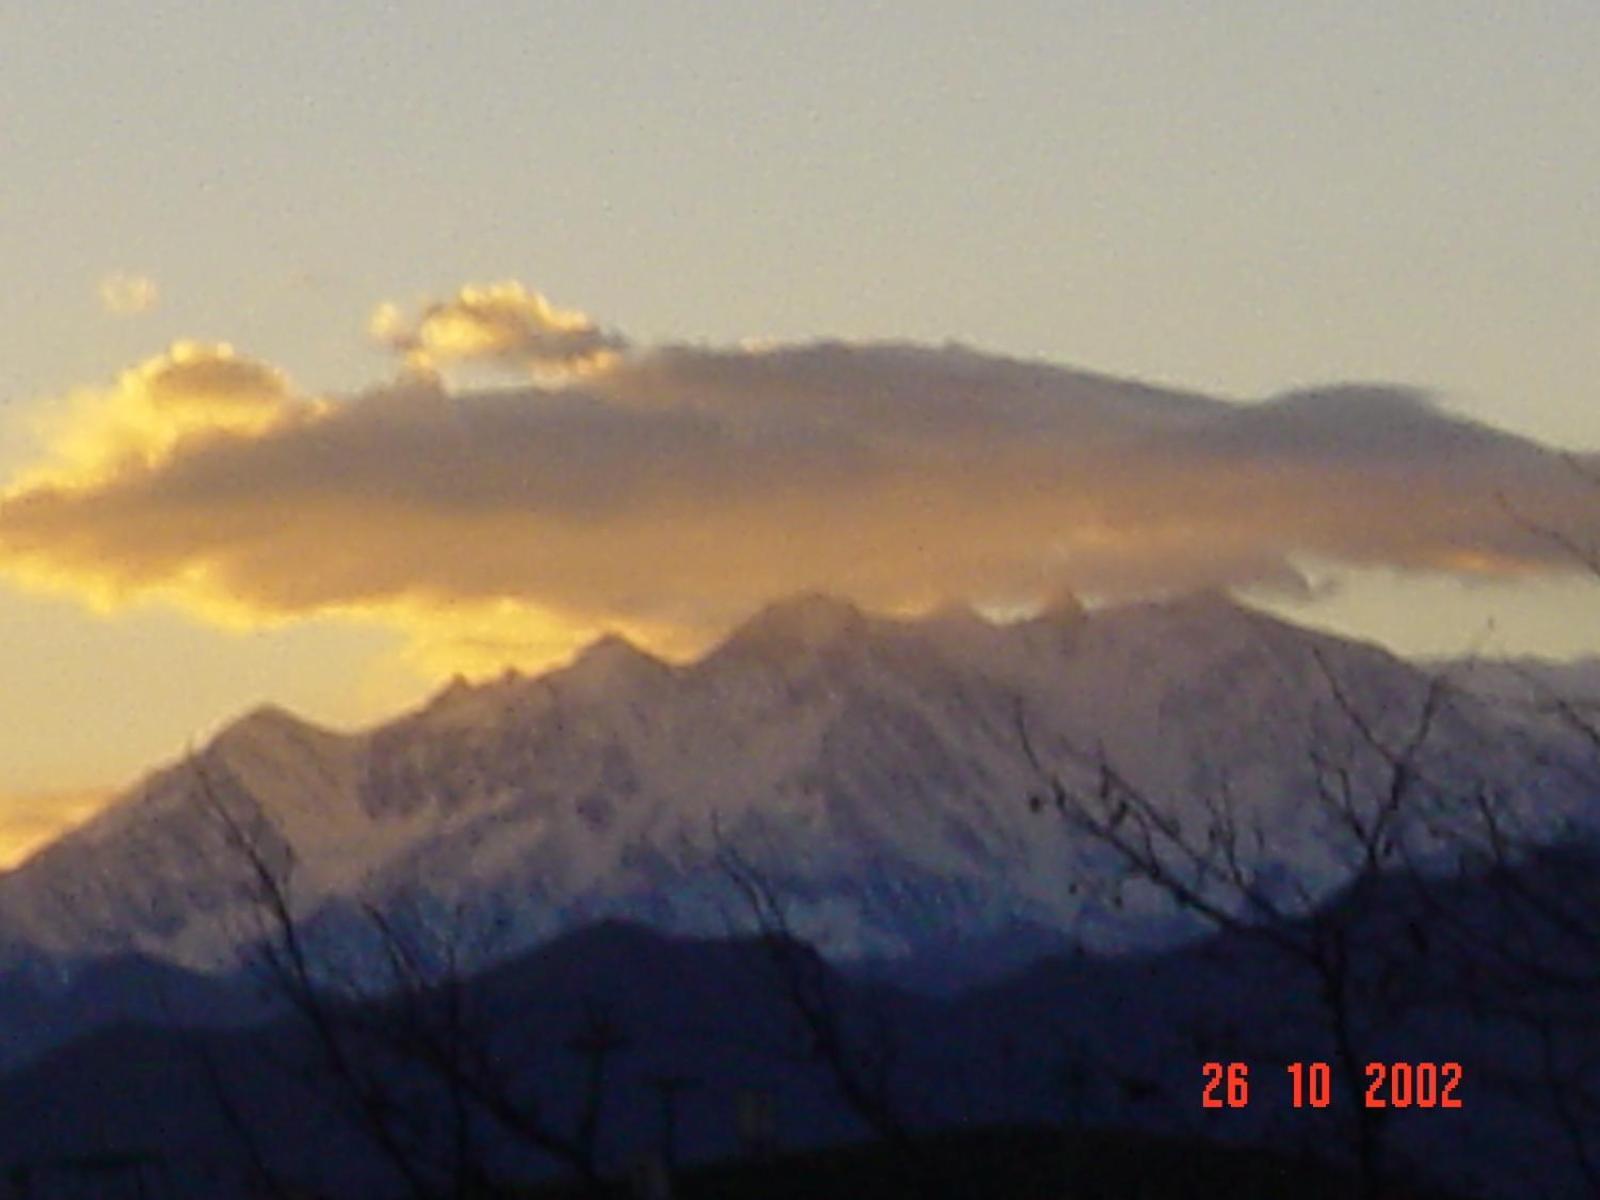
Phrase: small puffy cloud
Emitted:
{"points": [[126, 295], [680, 488], [192, 391], [501, 324]]}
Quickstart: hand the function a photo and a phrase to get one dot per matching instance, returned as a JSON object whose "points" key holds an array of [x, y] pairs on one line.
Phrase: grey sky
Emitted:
{"points": [[1233, 196]]}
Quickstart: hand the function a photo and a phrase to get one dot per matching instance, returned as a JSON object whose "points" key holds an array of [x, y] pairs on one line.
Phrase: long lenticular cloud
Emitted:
{"points": [[676, 488]]}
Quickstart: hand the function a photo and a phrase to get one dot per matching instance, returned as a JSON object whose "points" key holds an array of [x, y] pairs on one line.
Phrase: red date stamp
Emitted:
{"points": [[1388, 1085]]}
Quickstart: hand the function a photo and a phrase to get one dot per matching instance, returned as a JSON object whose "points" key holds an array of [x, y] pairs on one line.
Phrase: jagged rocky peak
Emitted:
{"points": [[464, 701], [1064, 607], [264, 725], [611, 649], [969, 635], [267, 718], [612, 659], [811, 620], [1196, 633], [1056, 626], [459, 688], [955, 616]]}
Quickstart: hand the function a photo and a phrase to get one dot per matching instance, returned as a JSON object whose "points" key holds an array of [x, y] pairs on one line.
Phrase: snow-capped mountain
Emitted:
{"points": [[872, 772]]}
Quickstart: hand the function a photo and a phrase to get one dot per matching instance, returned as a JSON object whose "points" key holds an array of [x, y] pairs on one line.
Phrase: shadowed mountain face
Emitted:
{"points": [[39, 1010], [1076, 1043], [872, 771]]}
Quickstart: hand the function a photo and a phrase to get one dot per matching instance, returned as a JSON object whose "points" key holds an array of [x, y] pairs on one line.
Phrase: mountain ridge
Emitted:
{"points": [[871, 767]]}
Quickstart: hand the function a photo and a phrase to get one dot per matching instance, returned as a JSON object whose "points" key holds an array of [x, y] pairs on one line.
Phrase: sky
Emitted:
{"points": [[344, 348]]}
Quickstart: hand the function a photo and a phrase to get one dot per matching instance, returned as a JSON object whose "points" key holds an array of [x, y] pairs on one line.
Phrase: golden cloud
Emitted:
{"points": [[152, 410], [500, 324], [672, 493]]}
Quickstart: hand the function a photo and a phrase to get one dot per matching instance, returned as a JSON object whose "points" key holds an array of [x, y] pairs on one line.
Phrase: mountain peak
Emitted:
{"points": [[867, 762], [610, 646], [810, 619], [463, 701], [1062, 608], [954, 615], [1207, 603], [609, 657], [266, 723], [268, 716]]}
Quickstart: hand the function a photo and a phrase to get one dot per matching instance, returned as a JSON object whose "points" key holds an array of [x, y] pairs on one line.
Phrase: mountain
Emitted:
{"points": [[1532, 682], [1082, 1044], [38, 1013], [873, 773]]}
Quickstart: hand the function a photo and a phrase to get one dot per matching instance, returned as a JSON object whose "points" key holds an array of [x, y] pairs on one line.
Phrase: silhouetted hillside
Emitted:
{"points": [[1083, 1044]]}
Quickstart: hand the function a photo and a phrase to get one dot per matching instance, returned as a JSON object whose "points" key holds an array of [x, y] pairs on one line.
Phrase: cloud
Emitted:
{"points": [[166, 405], [125, 295], [681, 487], [501, 324]]}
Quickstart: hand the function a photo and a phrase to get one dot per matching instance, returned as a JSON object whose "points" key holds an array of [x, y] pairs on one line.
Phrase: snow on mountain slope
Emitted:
{"points": [[157, 871], [871, 770]]}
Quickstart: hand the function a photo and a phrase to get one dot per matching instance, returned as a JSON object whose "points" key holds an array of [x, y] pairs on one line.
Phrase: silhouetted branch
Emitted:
{"points": [[862, 1069]]}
